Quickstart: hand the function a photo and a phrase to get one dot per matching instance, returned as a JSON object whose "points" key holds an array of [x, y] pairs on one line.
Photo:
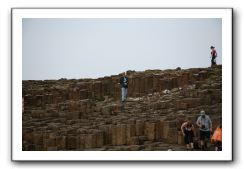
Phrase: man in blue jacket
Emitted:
{"points": [[123, 81]]}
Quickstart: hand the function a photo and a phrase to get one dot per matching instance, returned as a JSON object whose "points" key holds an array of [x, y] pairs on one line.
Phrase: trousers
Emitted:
{"points": [[124, 92]]}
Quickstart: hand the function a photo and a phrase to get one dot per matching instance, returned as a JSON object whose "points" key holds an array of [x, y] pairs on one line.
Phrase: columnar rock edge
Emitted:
{"points": [[87, 114]]}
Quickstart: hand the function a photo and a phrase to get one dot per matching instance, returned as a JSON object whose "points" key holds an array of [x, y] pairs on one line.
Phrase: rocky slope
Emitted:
{"points": [[87, 114]]}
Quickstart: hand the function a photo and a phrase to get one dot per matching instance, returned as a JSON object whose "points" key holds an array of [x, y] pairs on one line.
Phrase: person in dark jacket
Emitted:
{"points": [[213, 55], [123, 81]]}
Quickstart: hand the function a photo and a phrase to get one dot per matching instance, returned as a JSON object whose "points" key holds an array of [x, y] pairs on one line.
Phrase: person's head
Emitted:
{"points": [[212, 47], [188, 124], [202, 113]]}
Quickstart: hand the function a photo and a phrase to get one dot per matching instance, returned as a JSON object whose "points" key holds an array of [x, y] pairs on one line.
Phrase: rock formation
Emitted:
{"points": [[87, 114]]}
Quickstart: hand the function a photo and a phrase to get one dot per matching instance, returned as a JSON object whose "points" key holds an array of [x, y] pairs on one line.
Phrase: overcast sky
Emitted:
{"points": [[91, 48]]}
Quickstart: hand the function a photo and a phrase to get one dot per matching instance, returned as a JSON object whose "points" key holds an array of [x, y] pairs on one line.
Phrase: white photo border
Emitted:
{"points": [[19, 13]]}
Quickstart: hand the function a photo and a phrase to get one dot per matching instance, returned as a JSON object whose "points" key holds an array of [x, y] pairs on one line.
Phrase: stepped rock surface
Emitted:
{"points": [[87, 114]]}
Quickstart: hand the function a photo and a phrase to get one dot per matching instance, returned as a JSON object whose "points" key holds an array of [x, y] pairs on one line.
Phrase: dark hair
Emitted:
{"points": [[189, 124]]}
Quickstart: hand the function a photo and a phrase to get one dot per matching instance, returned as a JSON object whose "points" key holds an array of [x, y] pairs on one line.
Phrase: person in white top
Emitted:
{"points": [[205, 128]]}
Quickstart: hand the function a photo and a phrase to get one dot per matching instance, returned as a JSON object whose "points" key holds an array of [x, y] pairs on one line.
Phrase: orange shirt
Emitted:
{"points": [[217, 136]]}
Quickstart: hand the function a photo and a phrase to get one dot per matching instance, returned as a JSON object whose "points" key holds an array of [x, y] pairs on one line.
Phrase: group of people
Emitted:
{"points": [[204, 124]]}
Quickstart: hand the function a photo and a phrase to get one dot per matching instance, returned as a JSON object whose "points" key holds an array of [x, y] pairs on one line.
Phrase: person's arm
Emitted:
{"points": [[192, 127], [198, 122], [215, 52], [182, 128]]}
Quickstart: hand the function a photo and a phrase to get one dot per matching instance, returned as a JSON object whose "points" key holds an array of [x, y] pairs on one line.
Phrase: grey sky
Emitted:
{"points": [[91, 48]]}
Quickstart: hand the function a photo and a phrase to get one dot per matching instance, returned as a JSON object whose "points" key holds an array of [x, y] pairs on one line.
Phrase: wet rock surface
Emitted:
{"points": [[87, 114]]}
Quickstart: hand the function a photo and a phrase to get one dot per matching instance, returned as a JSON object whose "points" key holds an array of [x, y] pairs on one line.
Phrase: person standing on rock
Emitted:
{"points": [[187, 129], [205, 128], [123, 81], [213, 55]]}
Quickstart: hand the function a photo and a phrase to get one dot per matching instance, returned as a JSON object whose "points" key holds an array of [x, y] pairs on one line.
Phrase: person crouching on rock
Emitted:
{"points": [[123, 81], [187, 129]]}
